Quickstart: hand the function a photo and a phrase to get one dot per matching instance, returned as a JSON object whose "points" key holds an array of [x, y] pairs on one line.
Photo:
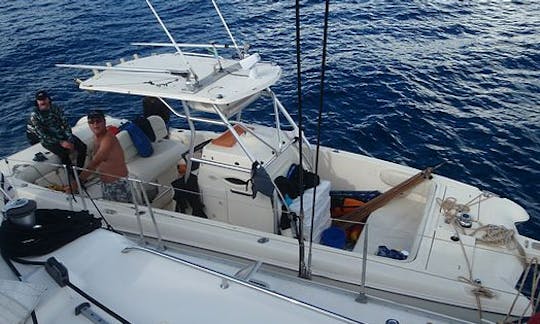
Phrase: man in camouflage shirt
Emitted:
{"points": [[55, 133]]}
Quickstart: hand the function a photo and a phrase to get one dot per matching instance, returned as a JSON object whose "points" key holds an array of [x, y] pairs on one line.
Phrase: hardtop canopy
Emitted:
{"points": [[229, 84]]}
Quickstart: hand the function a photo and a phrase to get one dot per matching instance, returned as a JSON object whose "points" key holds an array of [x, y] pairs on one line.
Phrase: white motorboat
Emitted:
{"points": [[462, 253], [94, 275]]}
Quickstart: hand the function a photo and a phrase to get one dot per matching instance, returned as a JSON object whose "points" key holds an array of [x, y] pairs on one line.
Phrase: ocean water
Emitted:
{"points": [[415, 82]]}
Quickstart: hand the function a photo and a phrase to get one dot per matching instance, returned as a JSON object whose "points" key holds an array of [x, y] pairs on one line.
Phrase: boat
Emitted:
{"points": [[60, 266], [435, 244]]}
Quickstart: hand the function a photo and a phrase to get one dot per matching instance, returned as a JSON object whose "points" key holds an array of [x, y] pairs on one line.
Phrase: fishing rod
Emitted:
{"points": [[227, 28], [109, 226], [302, 270], [319, 123], [182, 73], [81, 185]]}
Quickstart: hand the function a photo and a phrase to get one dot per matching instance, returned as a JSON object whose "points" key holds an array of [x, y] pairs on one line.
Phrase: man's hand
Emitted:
{"points": [[67, 145], [71, 188]]}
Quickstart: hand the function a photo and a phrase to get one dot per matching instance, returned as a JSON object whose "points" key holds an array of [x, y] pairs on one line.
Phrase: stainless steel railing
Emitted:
{"points": [[140, 199]]}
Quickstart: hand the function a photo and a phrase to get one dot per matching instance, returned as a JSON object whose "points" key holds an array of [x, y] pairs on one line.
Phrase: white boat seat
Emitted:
{"points": [[130, 152], [166, 152], [158, 126], [166, 155], [29, 170]]}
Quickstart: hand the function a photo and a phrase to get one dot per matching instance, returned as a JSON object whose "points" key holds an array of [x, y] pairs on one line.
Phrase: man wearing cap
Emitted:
{"points": [[108, 160], [54, 132]]}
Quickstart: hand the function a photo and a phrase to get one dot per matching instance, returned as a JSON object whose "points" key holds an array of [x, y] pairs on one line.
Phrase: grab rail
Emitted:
{"points": [[226, 278]]}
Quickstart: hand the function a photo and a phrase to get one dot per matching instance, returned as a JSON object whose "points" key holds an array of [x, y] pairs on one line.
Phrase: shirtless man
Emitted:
{"points": [[108, 160]]}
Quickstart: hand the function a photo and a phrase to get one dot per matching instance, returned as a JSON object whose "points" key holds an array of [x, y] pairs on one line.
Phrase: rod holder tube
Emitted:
{"points": [[78, 181], [362, 297], [137, 212], [161, 247], [69, 197]]}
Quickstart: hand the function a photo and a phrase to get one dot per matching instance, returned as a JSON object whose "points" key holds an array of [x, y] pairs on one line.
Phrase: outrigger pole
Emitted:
{"points": [[226, 28], [186, 45], [178, 50], [183, 73]]}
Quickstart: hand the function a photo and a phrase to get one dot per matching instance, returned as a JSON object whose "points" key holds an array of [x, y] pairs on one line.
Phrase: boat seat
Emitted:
{"points": [[32, 171], [36, 172], [166, 154], [158, 126], [160, 167]]}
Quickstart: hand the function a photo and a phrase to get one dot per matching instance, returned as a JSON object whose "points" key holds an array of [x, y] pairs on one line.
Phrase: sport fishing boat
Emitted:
{"points": [[59, 266], [414, 236]]}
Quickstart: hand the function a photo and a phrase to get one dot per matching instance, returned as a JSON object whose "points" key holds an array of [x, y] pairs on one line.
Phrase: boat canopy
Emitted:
{"points": [[206, 82]]}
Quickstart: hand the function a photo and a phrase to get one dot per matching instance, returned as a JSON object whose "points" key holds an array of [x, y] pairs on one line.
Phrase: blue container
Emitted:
{"points": [[334, 237]]}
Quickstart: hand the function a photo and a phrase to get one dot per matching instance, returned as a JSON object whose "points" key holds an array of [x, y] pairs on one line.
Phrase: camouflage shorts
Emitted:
{"points": [[119, 190]]}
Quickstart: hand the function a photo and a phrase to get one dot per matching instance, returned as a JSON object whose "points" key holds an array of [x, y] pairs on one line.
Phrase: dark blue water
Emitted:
{"points": [[415, 82]]}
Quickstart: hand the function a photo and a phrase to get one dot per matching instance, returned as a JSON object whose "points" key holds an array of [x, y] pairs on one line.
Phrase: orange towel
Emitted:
{"points": [[227, 139]]}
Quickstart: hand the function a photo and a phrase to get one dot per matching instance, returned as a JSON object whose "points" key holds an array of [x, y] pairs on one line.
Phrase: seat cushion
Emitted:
{"points": [[167, 153], [158, 126]]}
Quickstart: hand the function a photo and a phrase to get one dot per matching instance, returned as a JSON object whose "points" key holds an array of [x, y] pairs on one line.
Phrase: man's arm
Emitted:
{"points": [[99, 156]]}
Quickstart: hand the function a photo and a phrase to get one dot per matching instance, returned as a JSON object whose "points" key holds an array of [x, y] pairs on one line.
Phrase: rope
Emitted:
{"points": [[499, 235], [451, 209], [534, 288], [522, 283], [495, 235], [18, 275]]}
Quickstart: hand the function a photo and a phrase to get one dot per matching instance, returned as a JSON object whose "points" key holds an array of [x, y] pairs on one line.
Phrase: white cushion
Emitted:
{"points": [[166, 154], [158, 126], [130, 152]]}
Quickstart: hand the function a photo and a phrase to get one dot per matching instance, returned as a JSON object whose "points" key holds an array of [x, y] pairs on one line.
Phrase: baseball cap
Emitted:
{"points": [[42, 94], [96, 114]]}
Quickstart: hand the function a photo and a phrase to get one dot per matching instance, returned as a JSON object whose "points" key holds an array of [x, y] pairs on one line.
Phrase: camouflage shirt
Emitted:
{"points": [[51, 125]]}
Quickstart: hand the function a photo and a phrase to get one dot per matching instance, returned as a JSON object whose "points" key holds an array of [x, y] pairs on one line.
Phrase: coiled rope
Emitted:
{"points": [[451, 209], [490, 234], [496, 235]]}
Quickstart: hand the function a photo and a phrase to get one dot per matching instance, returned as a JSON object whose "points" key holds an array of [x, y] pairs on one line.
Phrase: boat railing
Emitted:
{"points": [[149, 195], [223, 120], [142, 204], [243, 281], [162, 189], [139, 191]]}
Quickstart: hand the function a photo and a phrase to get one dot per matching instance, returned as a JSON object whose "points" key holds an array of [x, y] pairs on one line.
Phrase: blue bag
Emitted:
{"points": [[139, 139]]}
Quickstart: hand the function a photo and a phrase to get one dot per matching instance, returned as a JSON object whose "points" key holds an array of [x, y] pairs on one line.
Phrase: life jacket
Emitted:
{"points": [[344, 206]]}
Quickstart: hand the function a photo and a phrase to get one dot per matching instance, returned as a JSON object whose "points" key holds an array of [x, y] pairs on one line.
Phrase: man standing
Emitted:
{"points": [[54, 132], [108, 160]]}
